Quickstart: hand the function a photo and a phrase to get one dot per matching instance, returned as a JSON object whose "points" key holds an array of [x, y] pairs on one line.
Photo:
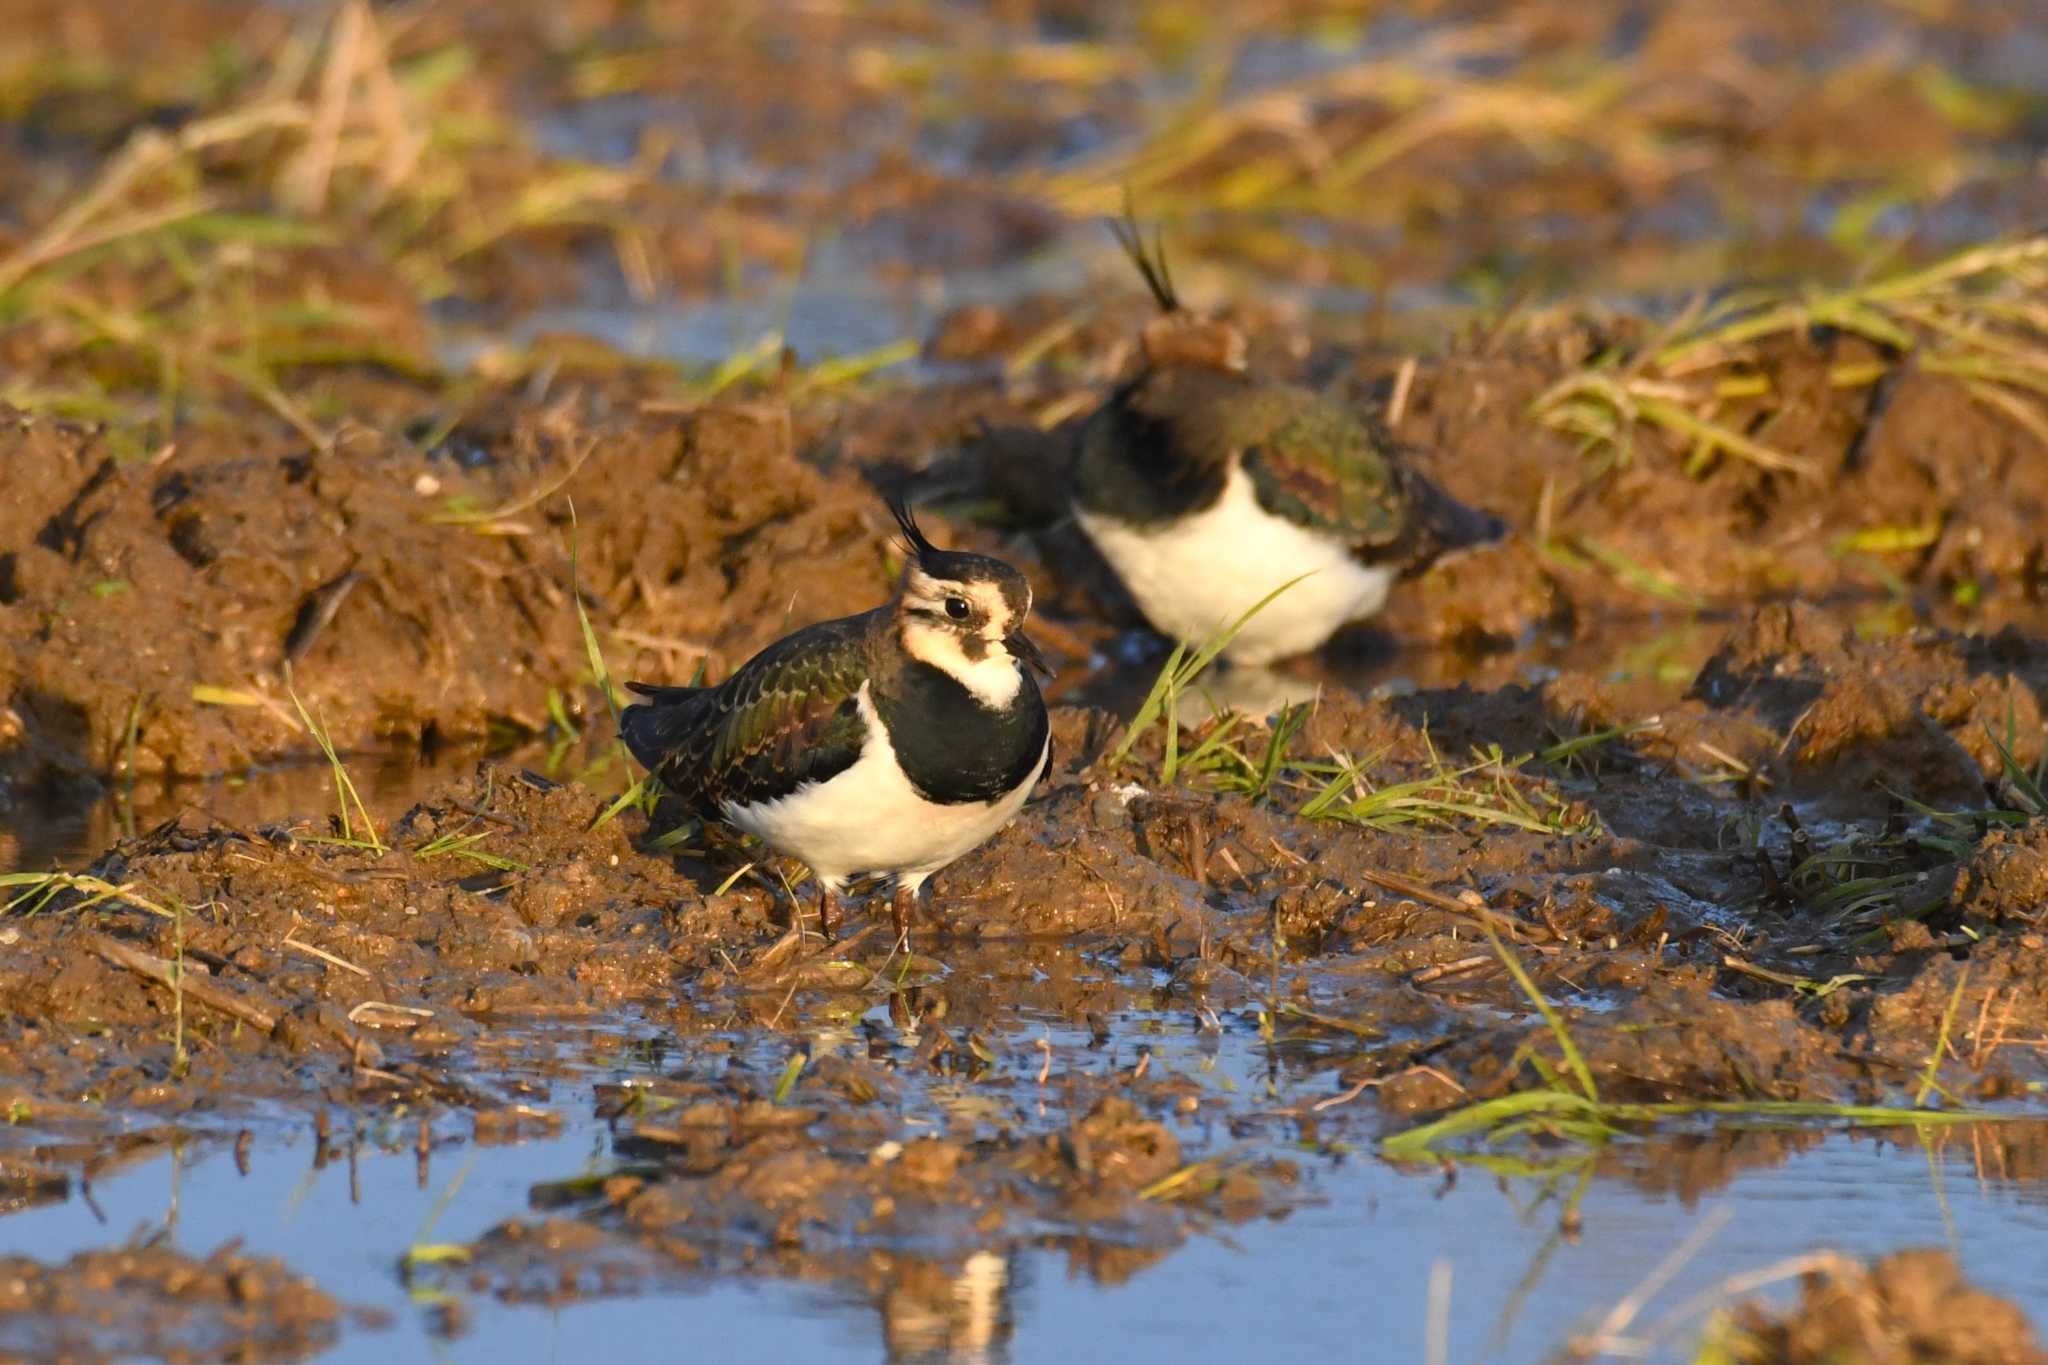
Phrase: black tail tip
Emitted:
{"points": [[1468, 528], [1487, 529], [1443, 527]]}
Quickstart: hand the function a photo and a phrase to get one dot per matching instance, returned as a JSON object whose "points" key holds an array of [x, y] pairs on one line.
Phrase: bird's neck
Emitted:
{"points": [[1150, 455]]}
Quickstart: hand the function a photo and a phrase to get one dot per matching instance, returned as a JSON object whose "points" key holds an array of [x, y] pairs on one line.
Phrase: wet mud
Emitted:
{"points": [[1702, 818], [1913, 1306]]}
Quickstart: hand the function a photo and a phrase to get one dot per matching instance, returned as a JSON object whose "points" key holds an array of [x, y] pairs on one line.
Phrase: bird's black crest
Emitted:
{"points": [[1149, 259], [959, 566], [913, 535]]}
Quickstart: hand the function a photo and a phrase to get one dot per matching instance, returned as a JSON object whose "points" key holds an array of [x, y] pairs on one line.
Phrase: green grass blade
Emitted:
{"points": [[624, 802], [1572, 1057], [1948, 1018], [345, 793], [787, 1083], [1416, 1144], [1153, 706], [590, 645], [1181, 669]]}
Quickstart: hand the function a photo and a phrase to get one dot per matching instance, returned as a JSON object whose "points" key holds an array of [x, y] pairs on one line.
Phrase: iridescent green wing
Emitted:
{"points": [[1319, 465], [1176, 430], [789, 717]]}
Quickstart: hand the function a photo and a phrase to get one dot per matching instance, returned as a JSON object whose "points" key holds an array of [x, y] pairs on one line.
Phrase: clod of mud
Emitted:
{"points": [[1909, 1307], [2006, 877], [1925, 714]]}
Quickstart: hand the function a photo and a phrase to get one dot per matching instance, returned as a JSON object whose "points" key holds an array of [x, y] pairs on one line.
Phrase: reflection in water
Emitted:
{"points": [[1253, 692], [930, 1312], [1536, 1260], [70, 835]]}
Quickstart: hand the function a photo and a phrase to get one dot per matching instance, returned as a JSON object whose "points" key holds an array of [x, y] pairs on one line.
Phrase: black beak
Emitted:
{"points": [[1020, 647]]}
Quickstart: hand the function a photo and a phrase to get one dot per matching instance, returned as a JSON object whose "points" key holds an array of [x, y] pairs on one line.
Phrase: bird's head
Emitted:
{"points": [[964, 614]]}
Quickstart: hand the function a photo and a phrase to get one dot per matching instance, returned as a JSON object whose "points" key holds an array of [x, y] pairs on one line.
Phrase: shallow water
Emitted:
{"points": [[1348, 1269]]}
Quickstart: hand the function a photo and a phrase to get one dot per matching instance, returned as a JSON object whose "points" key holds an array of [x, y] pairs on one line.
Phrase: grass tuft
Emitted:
{"points": [[1182, 667], [1554, 1113], [1973, 317], [467, 846], [42, 887], [345, 794], [1491, 790], [1562, 1115]]}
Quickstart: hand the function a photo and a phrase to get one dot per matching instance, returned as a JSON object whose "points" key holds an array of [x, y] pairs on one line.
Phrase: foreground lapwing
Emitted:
{"points": [[888, 743], [1206, 489]]}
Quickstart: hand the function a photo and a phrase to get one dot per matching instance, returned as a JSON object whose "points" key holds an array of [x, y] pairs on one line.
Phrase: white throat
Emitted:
{"points": [[993, 678]]}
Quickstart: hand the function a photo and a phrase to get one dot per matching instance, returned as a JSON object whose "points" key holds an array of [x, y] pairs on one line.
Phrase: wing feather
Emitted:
{"points": [[789, 716], [1311, 461]]}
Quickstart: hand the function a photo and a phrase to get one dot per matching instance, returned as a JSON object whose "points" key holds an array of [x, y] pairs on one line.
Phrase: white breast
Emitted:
{"points": [[1196, 575], [869, 819]]}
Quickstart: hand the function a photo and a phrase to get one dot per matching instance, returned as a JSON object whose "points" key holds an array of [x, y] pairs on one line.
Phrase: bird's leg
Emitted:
{"points": [[828, 911], [902, 903]]}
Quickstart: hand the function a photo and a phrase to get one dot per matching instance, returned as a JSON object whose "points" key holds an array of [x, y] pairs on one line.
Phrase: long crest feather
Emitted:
{"points": [[1150, 259], [914, 537]]}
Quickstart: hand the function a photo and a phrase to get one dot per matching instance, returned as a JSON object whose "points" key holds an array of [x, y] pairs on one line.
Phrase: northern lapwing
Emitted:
{"points": [[1206, 489], [888, 743]]}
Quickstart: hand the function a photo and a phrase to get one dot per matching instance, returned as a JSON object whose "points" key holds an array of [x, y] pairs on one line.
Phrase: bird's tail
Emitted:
{"points": [[654, 728], [1439, 526]]}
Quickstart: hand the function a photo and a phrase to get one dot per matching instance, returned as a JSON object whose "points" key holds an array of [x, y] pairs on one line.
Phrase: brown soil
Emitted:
{"points": [[1813, 837], [1913, 1306]]}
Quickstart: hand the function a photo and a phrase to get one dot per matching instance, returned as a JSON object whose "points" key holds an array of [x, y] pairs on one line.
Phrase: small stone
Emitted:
{"points": [[1108, 811]]}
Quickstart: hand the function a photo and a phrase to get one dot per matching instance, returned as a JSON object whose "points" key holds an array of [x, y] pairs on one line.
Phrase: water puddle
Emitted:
{"points": [[70, 835], [1352, 1249]]}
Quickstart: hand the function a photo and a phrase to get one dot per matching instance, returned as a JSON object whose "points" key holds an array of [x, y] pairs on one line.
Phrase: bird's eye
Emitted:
{"points": [[956, 607]]}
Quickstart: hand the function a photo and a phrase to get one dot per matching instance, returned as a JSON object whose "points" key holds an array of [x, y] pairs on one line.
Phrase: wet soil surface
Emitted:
{"points": [[1729, 755]]}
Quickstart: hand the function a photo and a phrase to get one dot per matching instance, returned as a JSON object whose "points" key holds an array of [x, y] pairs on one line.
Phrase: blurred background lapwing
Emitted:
{"points": [[1207, 488]]}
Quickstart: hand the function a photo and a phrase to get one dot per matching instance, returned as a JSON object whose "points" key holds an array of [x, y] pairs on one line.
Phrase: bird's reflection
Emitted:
{"points": [[1255, 693], [934, 1311]]}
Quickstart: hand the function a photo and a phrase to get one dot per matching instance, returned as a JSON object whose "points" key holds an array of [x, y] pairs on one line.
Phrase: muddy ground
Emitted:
{"points": [[1734, 742]]}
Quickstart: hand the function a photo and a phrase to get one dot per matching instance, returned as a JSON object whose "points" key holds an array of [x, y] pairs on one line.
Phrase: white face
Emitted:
{"points": [[976, 610], [960, 628]]}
